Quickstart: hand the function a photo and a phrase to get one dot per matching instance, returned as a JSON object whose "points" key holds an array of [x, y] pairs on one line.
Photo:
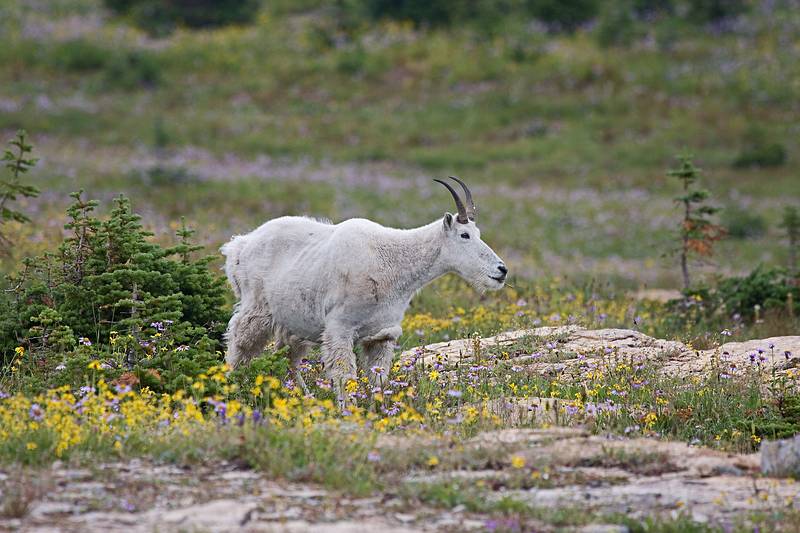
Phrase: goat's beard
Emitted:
{"points": [[483, 283]]}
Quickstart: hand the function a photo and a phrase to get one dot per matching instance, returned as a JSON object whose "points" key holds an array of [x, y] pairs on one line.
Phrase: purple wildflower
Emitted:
{"points": [[36, 412]]}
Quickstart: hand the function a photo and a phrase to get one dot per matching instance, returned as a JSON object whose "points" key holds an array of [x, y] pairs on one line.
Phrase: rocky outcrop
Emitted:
{"points": [[561, 348], [552, 467], [606, 475]]}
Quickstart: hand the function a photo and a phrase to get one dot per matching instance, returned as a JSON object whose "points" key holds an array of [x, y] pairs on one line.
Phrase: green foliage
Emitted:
{"points": [[168, 368], [565, 15], [617, 24], [758, 150], [161, 17], [108, 280], [420, 12], [120, 68], [79, 55], [761, 155], [791, 223], [743, 223], [272, 363], [17, 161], [332, 458], [618, 19], [703, 11], [766, 288], [485, 14], [647, 9], [133, 69]]}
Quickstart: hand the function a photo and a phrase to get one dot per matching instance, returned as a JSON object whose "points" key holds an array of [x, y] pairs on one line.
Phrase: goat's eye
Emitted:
{"points": [[465, 235]]}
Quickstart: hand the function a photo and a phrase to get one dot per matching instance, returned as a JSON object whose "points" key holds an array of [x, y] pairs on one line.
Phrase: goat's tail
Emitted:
{"points": [[231, 250]]}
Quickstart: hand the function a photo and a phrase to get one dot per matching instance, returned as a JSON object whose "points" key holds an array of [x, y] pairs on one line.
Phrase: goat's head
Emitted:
{"points": [[464, 251]]}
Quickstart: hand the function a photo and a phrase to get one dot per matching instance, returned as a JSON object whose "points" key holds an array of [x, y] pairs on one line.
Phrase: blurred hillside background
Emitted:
{"points": [[565, 115]]}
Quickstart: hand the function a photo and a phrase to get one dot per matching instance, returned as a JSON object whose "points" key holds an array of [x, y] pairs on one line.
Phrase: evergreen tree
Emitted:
{"points": [[18, 162], [698, 233], [109, 277]]}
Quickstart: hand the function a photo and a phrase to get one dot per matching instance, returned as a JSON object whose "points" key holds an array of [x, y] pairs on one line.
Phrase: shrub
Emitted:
{"points": [[759, 151], [790, 222], [762, 155], [79, 55], [645, 9], [743, 224], [420, 12], [703, 11], [767, 288], [617, 25], [617, 19], [160, 17], [432, 13], [133, 68], [108, 281], [123, 68], [565, 15]]}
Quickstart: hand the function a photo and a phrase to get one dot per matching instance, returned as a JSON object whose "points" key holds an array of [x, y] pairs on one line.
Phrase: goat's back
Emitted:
{"points": [[275, 245]]}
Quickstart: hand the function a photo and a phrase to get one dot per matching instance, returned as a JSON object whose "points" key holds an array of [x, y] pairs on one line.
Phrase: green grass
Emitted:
{"points": [[587, 131], [566, 143]]}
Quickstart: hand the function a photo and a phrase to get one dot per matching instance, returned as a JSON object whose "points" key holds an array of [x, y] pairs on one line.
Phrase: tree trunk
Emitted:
{"points": [[685, 249]]}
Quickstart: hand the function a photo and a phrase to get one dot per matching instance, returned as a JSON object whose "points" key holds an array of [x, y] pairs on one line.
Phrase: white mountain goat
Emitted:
{"points": [[304, 282]]}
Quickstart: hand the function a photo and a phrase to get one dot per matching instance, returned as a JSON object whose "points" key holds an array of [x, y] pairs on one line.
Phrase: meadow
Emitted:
{"points": [[112, 340], [567, 142]]}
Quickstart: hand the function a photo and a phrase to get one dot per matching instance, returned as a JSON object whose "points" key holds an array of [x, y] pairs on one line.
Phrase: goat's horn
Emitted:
{"points": [[470, 203], [462, 218]]}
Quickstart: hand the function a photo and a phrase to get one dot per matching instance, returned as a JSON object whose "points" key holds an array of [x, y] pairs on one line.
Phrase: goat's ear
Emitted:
{"points": [[447, 221]]}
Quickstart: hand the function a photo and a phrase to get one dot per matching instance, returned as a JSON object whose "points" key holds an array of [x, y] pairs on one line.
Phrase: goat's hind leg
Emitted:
{"points": [[248, 332]]}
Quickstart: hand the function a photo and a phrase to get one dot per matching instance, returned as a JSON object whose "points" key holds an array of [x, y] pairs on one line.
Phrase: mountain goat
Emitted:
{"points": [[303, 282]]}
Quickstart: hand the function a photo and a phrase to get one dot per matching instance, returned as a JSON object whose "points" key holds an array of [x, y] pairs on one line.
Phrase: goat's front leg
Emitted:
{"points": [[378, 356], [379, 352], [339, 361]]}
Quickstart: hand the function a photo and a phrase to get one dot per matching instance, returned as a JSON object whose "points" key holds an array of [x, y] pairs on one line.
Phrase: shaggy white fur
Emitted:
{"points": [[304, 282]]}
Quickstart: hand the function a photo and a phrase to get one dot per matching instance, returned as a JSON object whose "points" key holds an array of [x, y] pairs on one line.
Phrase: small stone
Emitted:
{"points": [[781, 458], [603, 528], [404, 518], [53, 508]]}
